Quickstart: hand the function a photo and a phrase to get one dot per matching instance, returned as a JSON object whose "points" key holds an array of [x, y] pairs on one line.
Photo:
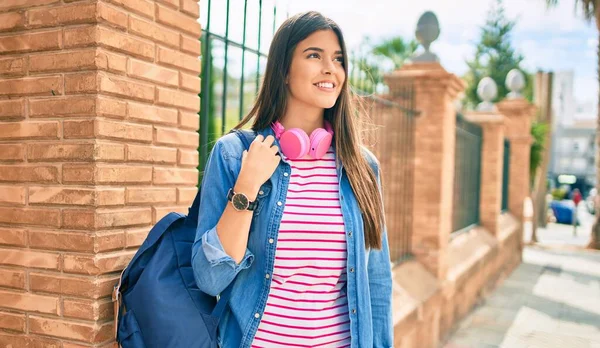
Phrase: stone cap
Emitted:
{"points": [[485, 117], [426, 73], [516, 107]]}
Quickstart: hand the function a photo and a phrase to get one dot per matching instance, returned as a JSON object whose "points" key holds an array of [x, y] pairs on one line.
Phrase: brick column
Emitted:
{"points": [[435, 90], [519, 114], [98, 120], [492, 160]]}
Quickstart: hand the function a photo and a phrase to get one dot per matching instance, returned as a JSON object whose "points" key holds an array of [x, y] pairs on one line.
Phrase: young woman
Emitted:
{"points": [[297, 221]]}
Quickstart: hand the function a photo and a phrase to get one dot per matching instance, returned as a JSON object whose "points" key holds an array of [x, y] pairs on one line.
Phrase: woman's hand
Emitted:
{"points": [[258, 164]]}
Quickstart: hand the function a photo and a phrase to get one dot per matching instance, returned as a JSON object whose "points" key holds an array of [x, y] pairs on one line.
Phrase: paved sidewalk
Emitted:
{"points": [[552, 300]]}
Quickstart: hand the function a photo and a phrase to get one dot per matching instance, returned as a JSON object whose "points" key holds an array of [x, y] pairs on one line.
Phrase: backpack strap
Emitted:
{"points": [[246, 137]]}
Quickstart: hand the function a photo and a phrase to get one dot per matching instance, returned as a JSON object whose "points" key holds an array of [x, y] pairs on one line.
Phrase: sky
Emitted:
{"points": [[557, 39]]}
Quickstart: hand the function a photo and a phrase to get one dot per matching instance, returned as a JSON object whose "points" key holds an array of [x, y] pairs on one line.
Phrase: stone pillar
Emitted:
{"points": [[492, 160], [98, 139], [435, 90], [519, 115]]}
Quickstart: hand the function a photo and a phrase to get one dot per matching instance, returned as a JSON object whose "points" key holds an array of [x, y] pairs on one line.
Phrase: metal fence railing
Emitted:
{"points": [[234, 46], [505, 175], [467, 174], [390, 136]]}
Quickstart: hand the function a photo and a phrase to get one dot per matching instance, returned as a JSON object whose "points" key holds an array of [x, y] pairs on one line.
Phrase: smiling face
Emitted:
{"points": [[316, 74]]}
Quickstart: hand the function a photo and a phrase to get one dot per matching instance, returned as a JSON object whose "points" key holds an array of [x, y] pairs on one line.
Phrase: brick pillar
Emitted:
{"points": [[98, 120], [435, 90], [519, 114], [492, 160]]}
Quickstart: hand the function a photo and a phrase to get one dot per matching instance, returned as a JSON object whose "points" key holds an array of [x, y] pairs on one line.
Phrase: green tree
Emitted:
{"points": [[495, 57], [591, 11]]}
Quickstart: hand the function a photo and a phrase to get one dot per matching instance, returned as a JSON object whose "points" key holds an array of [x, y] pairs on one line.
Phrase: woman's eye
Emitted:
{"points": [[313, 55], [339, 59]]}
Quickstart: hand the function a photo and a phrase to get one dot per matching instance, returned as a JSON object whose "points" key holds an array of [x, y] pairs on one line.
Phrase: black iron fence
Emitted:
{"points": [[467, 174], [505, 175]]}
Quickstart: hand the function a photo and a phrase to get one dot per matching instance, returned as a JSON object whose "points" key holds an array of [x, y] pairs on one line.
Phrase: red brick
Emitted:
{"points": [[190, 7], [78, 173], [126, 88], [179, 60], [191, 45], [60, 152], [87, 82], [175, 137], [88, 309], [11, 278], [110, 196], [108, 241], [62, 15], [177, 20], [151, 154], [154, 32], [29, 130], [135, 237], [175, 176], [190, 83], [184, 100], [88, 287], [112, 15], [78, 129], [153, 73], [110, 107], [13, 236], [14, 195], [143, 7], [66, 61], [15, 4], [173, 3], [107, 152], [12, 321], [97, 264], [29, 302], [189, 120], [188, 158], [186, 195], [160, 212], [12, 66], [31, 85], [45, 174], [62, 107], [80, 36], [29, 258], [80, 331], [11, 340], [30, 216], [58, 240], [10, 109], [12, 152], [124, 131], [125, 43], [110, 61], [61, 195], [151, 195], [30, 42], [151, 114]]}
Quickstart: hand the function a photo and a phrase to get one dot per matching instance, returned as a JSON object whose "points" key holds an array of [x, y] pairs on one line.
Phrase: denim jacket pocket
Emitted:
{"points": [[262, 196]]}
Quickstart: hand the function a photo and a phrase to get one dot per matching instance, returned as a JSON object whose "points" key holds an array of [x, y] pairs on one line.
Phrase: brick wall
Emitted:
{"points": [[98, 120]]}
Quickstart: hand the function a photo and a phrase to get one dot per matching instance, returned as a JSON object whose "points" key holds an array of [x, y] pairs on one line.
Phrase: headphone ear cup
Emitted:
{"points": [[320, 141], [294, 143]]}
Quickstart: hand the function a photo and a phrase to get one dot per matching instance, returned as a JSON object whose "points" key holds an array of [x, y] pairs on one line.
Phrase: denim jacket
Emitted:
{"points": [[369, 283]]}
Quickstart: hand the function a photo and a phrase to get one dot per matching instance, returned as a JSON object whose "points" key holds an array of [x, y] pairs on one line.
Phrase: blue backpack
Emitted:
{"points": [[157, 303]]}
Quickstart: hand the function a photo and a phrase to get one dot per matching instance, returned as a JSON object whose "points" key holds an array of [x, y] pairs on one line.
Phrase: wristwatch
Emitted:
{"points": [[240, 201]]}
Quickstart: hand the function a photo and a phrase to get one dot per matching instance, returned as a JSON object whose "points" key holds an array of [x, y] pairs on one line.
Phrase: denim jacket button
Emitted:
{"points": [[271, 240], [351, 269], [285, 174], [279, 204], [350, 234], [353, 311], [260, 192], [267, 276], [256, 315]]}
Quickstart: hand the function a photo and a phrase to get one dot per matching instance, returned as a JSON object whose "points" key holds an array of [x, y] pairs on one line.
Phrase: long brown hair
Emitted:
{"points": [[271, 105]]}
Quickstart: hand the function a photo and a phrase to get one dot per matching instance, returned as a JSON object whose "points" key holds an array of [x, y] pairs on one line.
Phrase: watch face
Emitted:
{"points": [[240, 201]]}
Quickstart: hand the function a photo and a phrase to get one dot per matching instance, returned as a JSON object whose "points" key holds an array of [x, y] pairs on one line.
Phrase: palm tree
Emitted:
{"points": [[591, 11]]}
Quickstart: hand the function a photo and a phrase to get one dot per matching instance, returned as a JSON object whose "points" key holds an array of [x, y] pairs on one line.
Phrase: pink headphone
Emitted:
{"points": [[296, 144]]}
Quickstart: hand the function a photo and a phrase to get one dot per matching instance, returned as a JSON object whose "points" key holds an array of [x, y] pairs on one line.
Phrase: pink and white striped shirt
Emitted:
{"points": [[307, 304]]}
